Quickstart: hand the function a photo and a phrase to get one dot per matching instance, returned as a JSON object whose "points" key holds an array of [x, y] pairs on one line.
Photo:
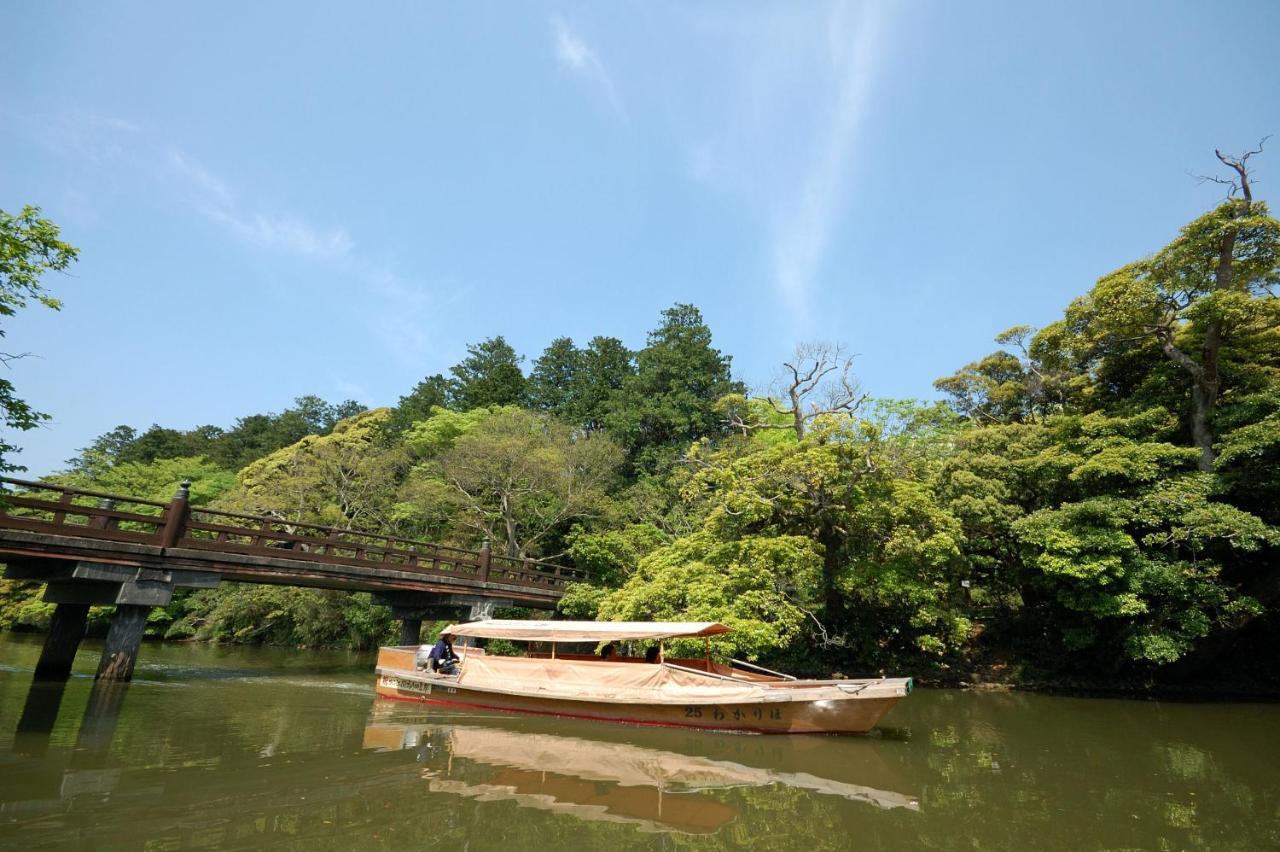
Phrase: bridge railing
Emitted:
{"points": [[46, 507], [63, 510]]}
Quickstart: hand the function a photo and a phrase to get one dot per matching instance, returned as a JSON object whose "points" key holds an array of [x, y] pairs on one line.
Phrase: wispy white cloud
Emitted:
{"points": [[287, 232], [777, 123], [84, 135], [403, 315], [803, 224], [575, 55], [198, 185], [352, 390], [400, 318], [113, 148]]}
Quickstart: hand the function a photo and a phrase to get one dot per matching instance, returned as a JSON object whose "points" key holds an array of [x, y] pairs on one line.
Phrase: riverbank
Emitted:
{"points": [[1084, 687]]}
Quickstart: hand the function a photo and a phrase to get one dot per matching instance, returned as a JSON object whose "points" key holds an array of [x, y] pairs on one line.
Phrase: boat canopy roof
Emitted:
{"points": [[583, 631]]}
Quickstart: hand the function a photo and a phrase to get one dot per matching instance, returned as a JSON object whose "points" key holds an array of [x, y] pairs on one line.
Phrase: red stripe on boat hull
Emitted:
{"points": [[613, 719]]}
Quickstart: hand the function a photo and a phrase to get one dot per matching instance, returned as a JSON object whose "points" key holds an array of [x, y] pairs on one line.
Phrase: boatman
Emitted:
{"points": [[442, 658]]}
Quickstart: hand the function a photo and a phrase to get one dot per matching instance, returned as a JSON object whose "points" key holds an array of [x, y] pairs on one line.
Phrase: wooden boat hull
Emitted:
{"points": [[782, 713]]}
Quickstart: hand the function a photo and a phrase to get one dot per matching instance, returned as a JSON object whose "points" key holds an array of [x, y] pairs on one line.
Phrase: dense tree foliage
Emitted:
{"points": [[249, 439], [576, 385], [30, 246], [431, 392], [489, 375], [513, 477], [342, 479], [553, 380], [671, 398]]}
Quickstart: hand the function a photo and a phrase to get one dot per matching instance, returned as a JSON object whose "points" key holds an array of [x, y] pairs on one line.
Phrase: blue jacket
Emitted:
{"points": [[443, 652]]}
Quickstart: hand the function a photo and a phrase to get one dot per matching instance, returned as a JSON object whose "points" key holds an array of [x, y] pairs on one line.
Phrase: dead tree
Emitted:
{"points": [[818, 380]]}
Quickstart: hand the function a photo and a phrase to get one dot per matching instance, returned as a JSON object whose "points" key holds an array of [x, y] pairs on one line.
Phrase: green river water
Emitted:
{"points": [[237, 748]]}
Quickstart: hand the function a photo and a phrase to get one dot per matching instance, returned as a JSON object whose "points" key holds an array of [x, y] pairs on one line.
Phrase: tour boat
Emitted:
{"points": [[684, 693]]}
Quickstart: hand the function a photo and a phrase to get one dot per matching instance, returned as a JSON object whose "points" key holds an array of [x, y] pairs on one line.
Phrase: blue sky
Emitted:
{"points": [[286, 198]]}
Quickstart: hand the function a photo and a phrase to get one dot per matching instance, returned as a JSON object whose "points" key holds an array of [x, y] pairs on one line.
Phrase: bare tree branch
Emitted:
{"points": [[818, 381], [1239, 163]]}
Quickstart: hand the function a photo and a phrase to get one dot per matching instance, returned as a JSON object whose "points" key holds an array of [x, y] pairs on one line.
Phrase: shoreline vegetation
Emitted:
{"points": [[1094, 506]]}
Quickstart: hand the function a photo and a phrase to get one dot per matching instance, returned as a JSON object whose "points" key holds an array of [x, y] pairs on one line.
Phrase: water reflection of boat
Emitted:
{"points": [[647, 808], [679, 693], [614, 781]]}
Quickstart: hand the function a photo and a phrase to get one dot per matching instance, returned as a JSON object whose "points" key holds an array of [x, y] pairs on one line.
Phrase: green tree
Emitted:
{"points": [[489, 375], [1248, 463], [257, 435], [1007, 387], [30, 246], [610, 555], [347, 478], [554, 382], [1210, 289], [518, 478], [671, 399], [160, 442], [890, 564], [319, 417], [606, 366], [431, 436], [251, 438], [575, 385], [106, 450], [157, 479], [431, 392], [742, 583], [282, 615], [1099, 534]]}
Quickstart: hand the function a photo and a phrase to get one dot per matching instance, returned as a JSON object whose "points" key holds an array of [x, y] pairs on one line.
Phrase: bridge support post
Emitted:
{"points": [[410, 630], [66, 629], [120, 653]]}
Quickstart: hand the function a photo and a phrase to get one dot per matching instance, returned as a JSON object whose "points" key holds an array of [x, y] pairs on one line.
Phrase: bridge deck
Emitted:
{"points": [[45, 521]]}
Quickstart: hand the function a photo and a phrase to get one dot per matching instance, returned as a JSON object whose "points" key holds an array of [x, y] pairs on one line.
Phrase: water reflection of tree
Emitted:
{"points": [[1031, 771]]}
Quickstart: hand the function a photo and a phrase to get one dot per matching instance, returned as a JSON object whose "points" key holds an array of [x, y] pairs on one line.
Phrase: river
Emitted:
{"points": [[229, 748]]}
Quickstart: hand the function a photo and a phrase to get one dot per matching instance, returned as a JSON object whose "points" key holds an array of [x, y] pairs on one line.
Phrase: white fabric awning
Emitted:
{"points": [[583, 631]]}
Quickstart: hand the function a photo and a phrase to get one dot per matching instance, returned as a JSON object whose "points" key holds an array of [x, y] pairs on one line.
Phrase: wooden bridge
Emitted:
{"points": [[96, 548]]}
